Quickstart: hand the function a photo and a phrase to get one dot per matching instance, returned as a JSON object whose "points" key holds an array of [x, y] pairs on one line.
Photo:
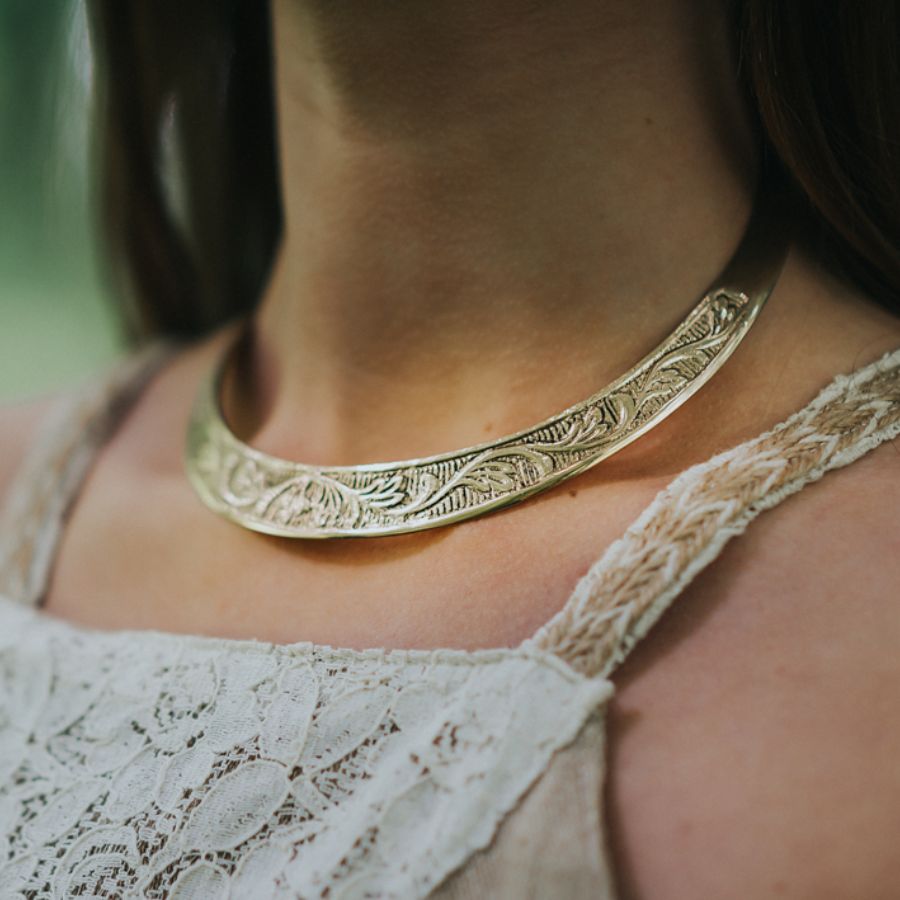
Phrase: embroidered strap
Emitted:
{"points": [[689, 522], [53, 470]]}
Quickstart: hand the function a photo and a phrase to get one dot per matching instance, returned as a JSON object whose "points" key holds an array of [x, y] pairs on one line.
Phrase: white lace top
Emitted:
{"points": [[145, 764]]}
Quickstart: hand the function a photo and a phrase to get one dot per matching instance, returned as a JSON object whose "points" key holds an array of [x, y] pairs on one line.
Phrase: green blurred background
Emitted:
{"points": [[56, 319]]}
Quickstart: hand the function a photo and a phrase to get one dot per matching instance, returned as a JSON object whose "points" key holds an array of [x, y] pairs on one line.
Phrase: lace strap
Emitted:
{"points": [[60, 456], [689, 522]]}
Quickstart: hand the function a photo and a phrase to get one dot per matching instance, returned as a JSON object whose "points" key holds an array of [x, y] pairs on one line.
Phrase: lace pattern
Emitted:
{"points": [[140, 764], [151, 765]]}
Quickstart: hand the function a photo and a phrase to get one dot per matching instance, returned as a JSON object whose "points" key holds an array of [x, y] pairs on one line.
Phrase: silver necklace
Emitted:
{"points": [[276, 496]]}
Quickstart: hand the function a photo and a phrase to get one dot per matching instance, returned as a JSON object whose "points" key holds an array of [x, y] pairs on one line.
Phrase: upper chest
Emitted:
{"points": [[147, 554], [750, 724]]}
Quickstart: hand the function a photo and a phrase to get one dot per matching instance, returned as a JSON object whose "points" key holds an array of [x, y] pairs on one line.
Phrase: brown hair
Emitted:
{"points": [[194, 78], [823, 78]]}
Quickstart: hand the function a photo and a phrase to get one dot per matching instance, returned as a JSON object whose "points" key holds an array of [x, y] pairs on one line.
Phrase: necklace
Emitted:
{"points": [[275, 496]]}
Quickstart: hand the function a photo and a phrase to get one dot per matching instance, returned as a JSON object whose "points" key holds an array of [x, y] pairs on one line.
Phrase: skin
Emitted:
{"points": [[481, 230]]}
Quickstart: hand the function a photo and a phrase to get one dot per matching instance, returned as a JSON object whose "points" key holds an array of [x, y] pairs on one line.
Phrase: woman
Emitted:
{"points": [[489, 212]]}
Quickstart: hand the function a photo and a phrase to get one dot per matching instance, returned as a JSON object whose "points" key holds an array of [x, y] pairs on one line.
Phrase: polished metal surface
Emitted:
{"points": [[276, 496]]}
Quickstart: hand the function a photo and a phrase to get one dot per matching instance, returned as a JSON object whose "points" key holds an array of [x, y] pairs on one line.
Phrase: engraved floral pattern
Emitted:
{"points": [[280, 497]]}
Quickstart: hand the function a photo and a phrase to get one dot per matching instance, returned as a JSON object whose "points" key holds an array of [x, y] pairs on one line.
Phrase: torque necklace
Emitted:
{"points": [[275, 496]]}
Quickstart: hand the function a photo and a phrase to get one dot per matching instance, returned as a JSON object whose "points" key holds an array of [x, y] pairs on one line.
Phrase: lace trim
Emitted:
{"points": [[132, 768], [147, 764], [689, 522]]}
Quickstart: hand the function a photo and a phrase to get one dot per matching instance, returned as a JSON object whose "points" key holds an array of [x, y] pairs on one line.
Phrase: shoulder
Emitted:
{"points": [[19, 425], [834, 526], [840, 534], [762, 718], [833, 547], [98, 401]]}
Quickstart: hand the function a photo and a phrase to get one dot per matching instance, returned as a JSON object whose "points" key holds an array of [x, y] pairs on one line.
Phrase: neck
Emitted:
{"points": [[491, 210]]}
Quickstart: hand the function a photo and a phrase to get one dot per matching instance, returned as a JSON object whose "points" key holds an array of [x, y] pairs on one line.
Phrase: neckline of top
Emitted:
{"points": [[155, 354]]}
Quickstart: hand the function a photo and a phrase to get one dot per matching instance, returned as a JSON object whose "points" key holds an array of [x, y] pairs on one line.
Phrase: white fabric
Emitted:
{"points": [[142, 764], [155, 765]]}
